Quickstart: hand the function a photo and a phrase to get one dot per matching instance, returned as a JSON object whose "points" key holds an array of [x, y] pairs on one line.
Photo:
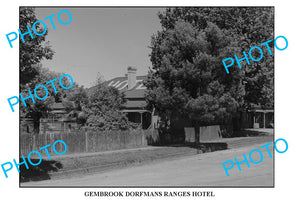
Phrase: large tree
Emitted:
{"points": [[32, 51], [188, 78], [42, 108], [248, 26]]}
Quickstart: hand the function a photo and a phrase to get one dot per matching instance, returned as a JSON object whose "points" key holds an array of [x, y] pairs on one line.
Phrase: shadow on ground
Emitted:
{"points": [[203, 147], [39, 172], [178, 140], [248, 133], [210, 147]]}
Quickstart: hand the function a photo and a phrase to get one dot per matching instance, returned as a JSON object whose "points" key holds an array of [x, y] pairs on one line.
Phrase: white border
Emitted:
{"points": [[284, 197]]}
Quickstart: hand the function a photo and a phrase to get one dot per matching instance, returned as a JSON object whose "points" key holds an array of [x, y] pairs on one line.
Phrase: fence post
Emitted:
{"points": [[86, 142], [143, 138], [52, 140], [34, 142]]}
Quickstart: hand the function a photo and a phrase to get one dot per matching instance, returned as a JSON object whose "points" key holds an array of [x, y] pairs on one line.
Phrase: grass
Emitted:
{"points": [[82, 164]]}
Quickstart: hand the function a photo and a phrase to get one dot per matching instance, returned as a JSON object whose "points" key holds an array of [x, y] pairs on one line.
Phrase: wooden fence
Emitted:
{"points": [[86, 142]]}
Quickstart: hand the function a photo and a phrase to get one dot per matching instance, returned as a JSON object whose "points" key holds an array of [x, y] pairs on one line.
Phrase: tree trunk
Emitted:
{"points": [[197, 134], [36, 126], [197, 138]]}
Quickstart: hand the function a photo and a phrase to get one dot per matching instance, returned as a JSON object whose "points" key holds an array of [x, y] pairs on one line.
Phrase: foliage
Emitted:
{"points": [[33, 50], [103, 109], [189, 74], [42, 108], [78, 95], [248, 26], [188, 78]]}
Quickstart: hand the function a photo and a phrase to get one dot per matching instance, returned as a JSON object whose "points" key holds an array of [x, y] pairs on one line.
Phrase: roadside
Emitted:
{"points": [[89, 163], [202, 170]]}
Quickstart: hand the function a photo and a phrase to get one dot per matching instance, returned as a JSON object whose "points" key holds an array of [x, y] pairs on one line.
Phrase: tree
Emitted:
{"points": [[42, 108], [188, 78], [104, 109], [188, 81], [39, 109], [249, 26], [75, 99], [77, 95], [33, 50]]}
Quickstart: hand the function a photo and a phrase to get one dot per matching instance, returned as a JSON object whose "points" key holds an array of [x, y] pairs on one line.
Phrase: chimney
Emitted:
{"points": [[131, 77]]}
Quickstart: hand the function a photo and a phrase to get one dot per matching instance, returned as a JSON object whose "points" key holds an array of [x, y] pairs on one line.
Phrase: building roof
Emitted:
{"points": [[135, 96], [132, 104], [138, 91]]}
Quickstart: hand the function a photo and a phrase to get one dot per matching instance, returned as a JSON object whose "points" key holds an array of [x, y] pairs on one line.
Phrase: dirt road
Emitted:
{"points": [[201, 170]]}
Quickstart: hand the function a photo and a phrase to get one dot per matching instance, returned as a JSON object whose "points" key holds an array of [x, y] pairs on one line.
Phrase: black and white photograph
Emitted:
{"points": [[152, 97]]}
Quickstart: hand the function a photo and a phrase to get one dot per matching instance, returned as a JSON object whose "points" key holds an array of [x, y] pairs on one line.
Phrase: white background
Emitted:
{"points": [[283, 198]]}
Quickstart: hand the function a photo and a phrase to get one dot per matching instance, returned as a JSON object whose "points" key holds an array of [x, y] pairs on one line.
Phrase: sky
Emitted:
{"points": [[100, 41]]}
